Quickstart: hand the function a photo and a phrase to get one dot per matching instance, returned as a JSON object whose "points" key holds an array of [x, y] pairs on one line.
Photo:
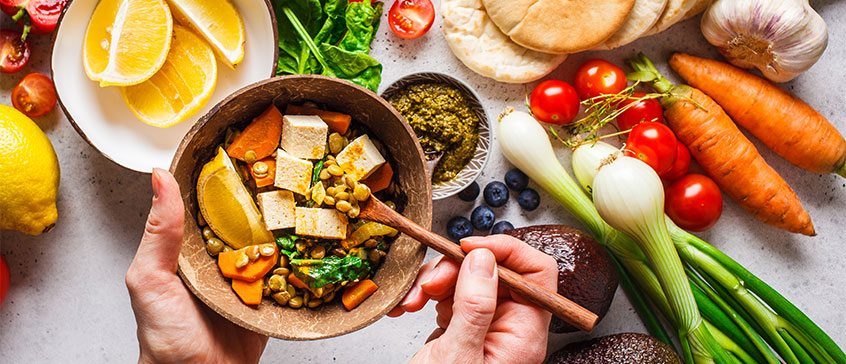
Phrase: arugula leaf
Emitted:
{"points": [[317, 273]]}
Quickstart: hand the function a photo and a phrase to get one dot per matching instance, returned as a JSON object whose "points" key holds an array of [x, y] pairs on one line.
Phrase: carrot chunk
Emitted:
{"points": [[253, 271], [250, 292], [355, 295], [336, 121], [380, 179], [261, 136]]}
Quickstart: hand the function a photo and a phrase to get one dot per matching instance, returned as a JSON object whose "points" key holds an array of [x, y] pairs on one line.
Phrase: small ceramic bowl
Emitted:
{"points": [[100, 115], [477, 164], [200, 272]]}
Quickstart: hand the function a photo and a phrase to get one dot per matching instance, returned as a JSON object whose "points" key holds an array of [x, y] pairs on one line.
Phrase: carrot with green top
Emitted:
{"points": [[724, 153], [782, 121]]}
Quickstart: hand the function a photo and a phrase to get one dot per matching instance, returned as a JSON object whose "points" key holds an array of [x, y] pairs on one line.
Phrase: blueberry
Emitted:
{"points": [[459, 227], [482, 218], [528, 199], [516, 180], [496, 194], [501, 227], [470, 192]]}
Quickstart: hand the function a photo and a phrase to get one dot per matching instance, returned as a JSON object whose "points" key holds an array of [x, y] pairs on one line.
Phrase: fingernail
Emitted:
{"points": [[472, 239], [432, 274], [482, 263], [156, 182], [412, 294]]}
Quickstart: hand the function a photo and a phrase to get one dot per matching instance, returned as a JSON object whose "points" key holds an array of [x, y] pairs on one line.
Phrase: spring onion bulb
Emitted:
{"points": [[586, 161]]}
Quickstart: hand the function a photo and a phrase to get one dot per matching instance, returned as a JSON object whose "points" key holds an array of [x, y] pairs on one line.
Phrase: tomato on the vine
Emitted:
{"points": [[34, 95], [694, 202], [682, 164], [4, 279], [410, 19], [655, 144], [554, 102], [14, 52], [598, 76], [640, 111]]}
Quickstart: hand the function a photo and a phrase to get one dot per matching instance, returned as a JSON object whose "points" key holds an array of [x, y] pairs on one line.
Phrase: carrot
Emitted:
{"points": [[782, 121], [292, 279], [355, 295], [267, 179], [336, 121], [380, 179], [725, 154], [261, 136], [250, 292], [252, 271]]}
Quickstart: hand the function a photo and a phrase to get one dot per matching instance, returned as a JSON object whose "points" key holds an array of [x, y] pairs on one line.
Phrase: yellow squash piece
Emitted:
{"points": [[227, 206], [127, 41], [182, 86], [218, 22], [29, 175]]}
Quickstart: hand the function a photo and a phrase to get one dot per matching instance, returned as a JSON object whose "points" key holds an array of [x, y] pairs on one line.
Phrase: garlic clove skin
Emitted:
{"points": [[781, 38]]}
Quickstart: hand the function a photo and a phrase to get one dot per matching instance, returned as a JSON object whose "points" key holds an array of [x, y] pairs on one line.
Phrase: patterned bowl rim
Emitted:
{"points": [[480, 159]]}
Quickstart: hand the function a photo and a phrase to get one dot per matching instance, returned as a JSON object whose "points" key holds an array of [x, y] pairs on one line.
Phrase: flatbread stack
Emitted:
{"points": [[520, 41]]}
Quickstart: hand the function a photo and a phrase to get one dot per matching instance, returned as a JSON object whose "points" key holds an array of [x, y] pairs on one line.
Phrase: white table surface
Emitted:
{"points": [[68, 302]]}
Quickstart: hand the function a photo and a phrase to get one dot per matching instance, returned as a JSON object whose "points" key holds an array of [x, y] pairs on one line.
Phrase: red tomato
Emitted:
{"points": [[694, 202], [554, 102], [598, 76], [34, 95], [410, 19], [14, 52], [40, 15], [682, 164], [655, 144], [642, 110], [4, 279]]}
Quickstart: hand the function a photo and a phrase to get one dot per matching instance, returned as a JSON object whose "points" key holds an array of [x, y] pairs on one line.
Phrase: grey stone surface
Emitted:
{"points": [[68, 302]]}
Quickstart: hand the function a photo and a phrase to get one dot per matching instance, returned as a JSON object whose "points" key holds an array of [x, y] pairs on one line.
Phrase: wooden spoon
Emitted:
{"points": [[569, 311]]}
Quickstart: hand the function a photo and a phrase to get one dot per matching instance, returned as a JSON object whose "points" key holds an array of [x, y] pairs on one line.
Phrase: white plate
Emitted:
{"points": [[99, 114]]}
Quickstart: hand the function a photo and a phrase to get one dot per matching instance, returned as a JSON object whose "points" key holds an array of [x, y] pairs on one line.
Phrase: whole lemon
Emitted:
{"points": [[29, 175]]}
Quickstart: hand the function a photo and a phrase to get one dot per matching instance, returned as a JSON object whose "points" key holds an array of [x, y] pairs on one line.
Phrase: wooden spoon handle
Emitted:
{"points": [[551, 301]]}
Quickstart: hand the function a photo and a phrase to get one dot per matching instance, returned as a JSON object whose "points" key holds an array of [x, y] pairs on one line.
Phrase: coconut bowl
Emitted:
{"points": [[200, 272]]}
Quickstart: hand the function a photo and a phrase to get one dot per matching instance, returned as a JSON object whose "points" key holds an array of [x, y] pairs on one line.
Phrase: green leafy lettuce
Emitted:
{"points": [[320, 272], [329, 37]]}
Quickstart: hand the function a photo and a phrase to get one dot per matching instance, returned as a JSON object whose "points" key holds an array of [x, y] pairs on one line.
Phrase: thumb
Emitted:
{"points": [[474, 304], [159, 248]]}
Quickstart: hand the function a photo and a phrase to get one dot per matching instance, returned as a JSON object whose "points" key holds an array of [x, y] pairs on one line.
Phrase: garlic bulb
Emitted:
{"points": [[781, 38]]}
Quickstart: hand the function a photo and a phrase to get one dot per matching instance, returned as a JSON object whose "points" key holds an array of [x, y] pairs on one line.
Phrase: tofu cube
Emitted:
{"points": [[321, 223], [360, 158], [292, 174], [278, 209], [304, 136]]}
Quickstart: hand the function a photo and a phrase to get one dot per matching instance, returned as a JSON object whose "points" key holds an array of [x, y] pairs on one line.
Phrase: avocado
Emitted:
{"points": [[586, 273], [628, 348]]}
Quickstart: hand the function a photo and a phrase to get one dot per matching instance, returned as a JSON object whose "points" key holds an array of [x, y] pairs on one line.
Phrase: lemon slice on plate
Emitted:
{"points": [[227, 206], [127, 41], [218, 22], [182, 86]]}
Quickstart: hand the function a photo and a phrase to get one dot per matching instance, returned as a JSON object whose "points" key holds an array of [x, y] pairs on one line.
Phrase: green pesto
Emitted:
{"points": [[443, 121]]}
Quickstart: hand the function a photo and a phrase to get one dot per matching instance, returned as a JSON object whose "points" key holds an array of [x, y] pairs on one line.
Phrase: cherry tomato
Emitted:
{"points": [[655, 144], [40, 16], [14, 52], [410, 19], [682, 164], [34, 95], [694, 202], [641, 110], [598, 76], [554, 102], [4, 279]]}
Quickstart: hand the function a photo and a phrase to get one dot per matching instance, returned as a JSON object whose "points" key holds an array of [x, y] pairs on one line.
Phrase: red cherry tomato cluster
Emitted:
{"points": [[409, 19], [693, 201]]}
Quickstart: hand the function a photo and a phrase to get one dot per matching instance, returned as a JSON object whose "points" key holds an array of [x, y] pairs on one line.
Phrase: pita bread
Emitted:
{"points": [[483, 48], [644, 15], [674, 13], [697, 8], [559, 26]]}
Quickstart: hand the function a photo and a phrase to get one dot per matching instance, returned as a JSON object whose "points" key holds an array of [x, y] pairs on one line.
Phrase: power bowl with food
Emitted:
{"points": [[271, 179]]}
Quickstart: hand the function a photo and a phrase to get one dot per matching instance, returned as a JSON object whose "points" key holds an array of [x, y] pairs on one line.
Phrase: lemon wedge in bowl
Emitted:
{"points": [[227, 206], [182, 86], [126, 41], [218, 22]]}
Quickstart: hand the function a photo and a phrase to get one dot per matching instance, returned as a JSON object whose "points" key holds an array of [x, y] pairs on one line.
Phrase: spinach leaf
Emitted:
{"points": [[362, 22], [315, 174], [287, 242], [320, 272]]}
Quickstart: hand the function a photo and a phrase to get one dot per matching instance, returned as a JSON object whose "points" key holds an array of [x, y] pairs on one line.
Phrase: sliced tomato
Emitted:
{"points": [[655, 144], [410, 19], [4, 279], [554, 102], [694, 202], [39, 16], [597, 77], [14, 52], [34, 95]]}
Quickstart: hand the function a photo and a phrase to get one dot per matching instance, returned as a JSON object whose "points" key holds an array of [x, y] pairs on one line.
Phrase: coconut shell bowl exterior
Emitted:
{"points": [[200, 272]]}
